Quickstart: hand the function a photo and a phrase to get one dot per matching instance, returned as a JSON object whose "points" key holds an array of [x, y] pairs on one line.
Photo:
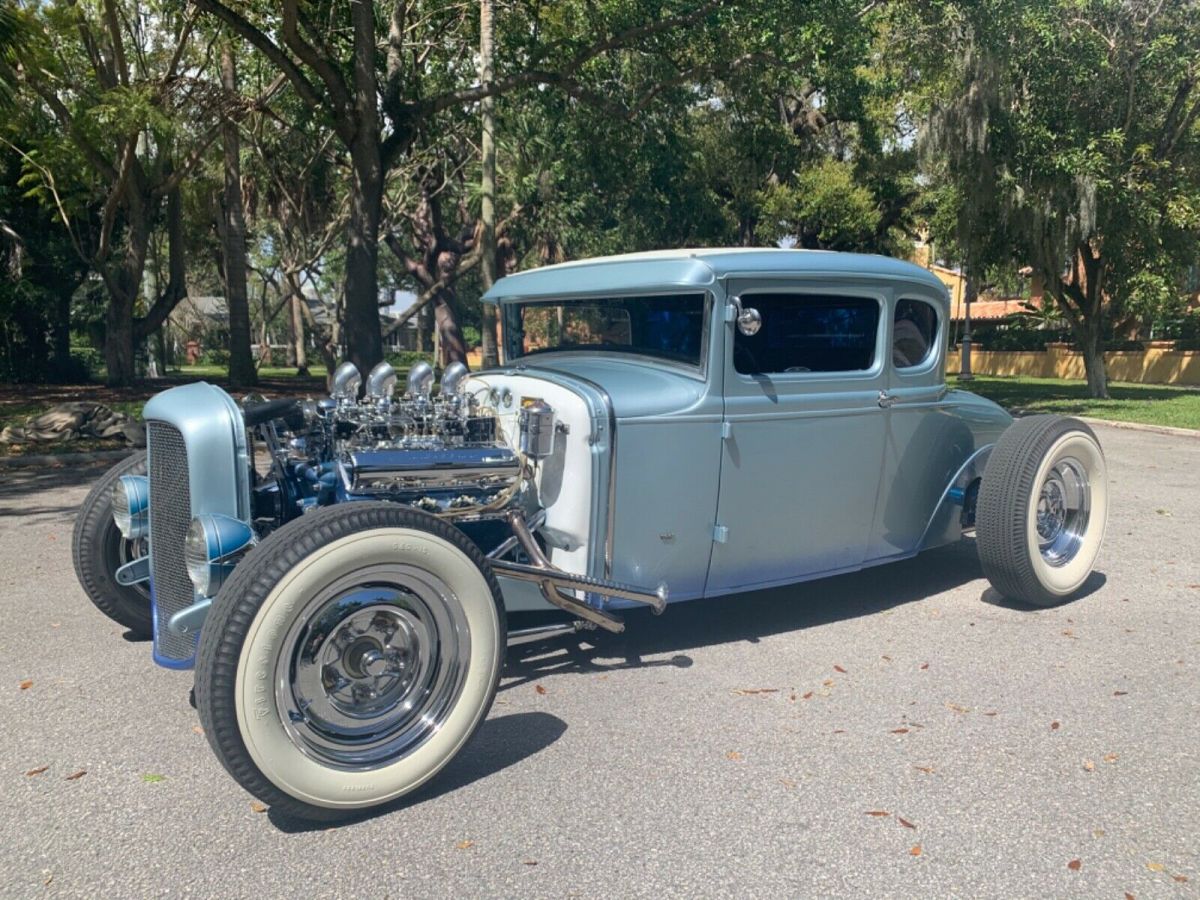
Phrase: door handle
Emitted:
{"points": [[886, 400]]}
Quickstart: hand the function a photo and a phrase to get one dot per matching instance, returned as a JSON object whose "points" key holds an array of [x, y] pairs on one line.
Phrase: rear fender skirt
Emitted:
{"points": [[945, 525]]}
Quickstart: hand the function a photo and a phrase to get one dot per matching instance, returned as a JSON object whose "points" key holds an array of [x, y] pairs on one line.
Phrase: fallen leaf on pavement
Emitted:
{"points": [[1054, 726], [746, 692], [38, 771], [1155, 867], [197, 729], [529, 862], [787, 783], [991, 712], [899, 731], [1089, 765], [153, 778], [1163, 512], [878, 813], [828, 682], [1075, 865], [924, 665], [1099, 832], [958, 709], [26, 684], [1182, 879], [1129, 896], [903, 821], [1120, 693], [539, 688], [49, 878], [807, 696], [839, 731], [915, 851], [889, 659], [1110, 757], [928, 770], [838, 668], [464, 845], [733, 755], [75, 776], [793, 697], [257, 807]]}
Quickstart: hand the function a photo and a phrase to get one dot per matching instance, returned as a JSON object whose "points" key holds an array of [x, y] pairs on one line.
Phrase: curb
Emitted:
{"points": [[1138, 426], [57, 460]]}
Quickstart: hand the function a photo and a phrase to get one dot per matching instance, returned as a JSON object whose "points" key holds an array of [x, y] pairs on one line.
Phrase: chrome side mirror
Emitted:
{"points": [[346, 382], [749, 319]]}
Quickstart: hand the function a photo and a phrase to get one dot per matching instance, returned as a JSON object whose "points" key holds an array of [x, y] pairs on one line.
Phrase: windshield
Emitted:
{"points": [[668, 326]]}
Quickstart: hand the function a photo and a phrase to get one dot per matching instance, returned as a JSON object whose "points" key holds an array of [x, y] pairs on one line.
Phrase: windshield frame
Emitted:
{"points": [[510, 308]]}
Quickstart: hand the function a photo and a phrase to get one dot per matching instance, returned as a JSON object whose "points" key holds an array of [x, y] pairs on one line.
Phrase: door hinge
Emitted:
{"points": [[720, 534], [726, 430]]}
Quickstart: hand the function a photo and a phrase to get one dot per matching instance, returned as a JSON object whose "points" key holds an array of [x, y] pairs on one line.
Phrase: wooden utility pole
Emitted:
{"points": [[487, 206]]}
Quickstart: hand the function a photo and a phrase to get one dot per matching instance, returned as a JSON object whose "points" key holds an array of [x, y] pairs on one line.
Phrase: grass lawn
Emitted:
{"points": [[1146, 403]]}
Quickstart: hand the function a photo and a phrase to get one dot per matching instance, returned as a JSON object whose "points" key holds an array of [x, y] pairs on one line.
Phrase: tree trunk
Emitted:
{"points": [[487, 207], [123, 286], [453, 347], [364, 338], [292, 285], [1091, 346], [241, 360]]}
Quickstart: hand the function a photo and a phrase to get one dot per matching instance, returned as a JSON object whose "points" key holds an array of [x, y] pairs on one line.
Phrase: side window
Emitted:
{"points": [[808, 333], [914, 333]]}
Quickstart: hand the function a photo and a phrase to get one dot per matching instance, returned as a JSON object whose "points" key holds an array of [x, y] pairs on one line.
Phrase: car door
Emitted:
{"points": [[803, 432], [925, 446]]}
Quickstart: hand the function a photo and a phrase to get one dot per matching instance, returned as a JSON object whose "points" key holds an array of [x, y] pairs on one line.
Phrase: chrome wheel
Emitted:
{"points": [[127, 552], [372, 667], [1063, 509]]}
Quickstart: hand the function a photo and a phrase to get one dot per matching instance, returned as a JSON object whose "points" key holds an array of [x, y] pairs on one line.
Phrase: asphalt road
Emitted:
{"points": [[1003, 744]]}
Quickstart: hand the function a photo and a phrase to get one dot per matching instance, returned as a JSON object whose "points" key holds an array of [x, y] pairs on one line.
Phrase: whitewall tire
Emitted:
{"points": [[1043, 508], [350, 657]]}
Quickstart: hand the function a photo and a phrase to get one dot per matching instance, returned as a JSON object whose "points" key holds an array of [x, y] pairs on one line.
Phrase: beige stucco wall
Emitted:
{"points": [[1153, 365]]}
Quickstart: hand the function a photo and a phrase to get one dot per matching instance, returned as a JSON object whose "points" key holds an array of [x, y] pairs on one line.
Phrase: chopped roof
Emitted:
{"points": [[696, 268]]}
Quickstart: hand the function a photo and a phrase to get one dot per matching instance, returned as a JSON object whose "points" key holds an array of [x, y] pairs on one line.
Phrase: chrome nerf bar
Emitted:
{"points": [[553, 581]]}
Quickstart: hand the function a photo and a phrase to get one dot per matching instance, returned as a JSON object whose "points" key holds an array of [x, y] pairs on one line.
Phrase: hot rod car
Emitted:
{"points": [[665, 426]]}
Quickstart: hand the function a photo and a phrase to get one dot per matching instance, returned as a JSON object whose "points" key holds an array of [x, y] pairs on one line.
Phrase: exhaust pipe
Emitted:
{"points": [[554, 581]]}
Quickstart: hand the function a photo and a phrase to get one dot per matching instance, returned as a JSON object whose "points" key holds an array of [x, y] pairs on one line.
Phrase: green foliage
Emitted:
{"points": [[404, 360], [824, 207]]}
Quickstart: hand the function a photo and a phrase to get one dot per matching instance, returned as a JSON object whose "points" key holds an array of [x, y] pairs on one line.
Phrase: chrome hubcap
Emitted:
{"points": [[372, 667], [1063, 507]]}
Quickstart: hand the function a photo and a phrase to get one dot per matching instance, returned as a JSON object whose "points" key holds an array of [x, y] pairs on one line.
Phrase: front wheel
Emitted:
{"points": [[349, 657], [98, 550], [1043, 506]]}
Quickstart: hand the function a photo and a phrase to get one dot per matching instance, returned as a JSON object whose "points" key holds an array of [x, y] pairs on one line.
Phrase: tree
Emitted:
{"points": [[379, 108], [1075, 147], [233, 238]]}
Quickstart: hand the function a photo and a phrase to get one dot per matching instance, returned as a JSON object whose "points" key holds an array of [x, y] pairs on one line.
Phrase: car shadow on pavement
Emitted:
{"points": [[500, 742], [754, 615], [21, 487], [1094, 582]]}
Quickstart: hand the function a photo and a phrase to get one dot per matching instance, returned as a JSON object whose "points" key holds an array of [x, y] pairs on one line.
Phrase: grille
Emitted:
{"points": [[170, 515]]}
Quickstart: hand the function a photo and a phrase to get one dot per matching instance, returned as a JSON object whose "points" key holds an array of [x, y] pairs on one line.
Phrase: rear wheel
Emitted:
{"points": [[98, 549], [349, 657], [1043, 506]]}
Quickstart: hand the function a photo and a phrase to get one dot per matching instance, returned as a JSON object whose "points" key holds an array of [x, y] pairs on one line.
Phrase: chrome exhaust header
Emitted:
{"points": [[554, 581]]}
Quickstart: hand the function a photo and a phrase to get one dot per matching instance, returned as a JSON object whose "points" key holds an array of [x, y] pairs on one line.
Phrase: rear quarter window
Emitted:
{"points": [[914, 333]]}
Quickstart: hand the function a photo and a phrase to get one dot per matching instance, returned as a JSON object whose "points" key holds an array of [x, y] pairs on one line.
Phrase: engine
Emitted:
{"points": [[444, 454]]}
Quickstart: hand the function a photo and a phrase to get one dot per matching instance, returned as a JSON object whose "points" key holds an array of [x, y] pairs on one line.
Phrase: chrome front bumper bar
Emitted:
{"points": [[553, 581]]}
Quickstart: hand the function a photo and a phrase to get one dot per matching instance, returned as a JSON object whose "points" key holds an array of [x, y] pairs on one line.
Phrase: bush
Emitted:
{"points": [[87, 363], [215, 357], [406, 359]]}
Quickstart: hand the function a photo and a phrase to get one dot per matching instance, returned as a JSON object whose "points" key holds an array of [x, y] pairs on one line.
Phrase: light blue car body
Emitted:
{"points": [[723, 482], [704, 480]]}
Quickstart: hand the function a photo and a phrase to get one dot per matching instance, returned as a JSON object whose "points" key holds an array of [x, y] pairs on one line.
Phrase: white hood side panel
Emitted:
{"points": [[564, 480]]}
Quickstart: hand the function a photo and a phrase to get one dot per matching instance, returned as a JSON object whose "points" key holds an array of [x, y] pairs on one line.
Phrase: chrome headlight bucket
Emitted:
{"points": [[131, 506], [211, 549]]}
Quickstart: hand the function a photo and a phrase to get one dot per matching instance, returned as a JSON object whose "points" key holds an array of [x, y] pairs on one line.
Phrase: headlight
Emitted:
{"points": [[211, 549], [131, 505]]}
